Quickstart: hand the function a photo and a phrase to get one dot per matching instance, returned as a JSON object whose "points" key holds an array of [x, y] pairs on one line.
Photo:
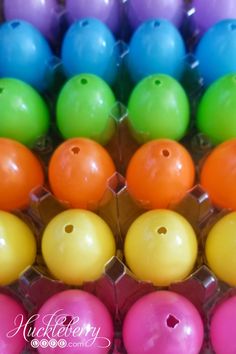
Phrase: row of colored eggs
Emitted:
{"points": [[173, 316], [158, 108], [90, 47], [43, 14], [74, 321], [159, 174], [167, 314]]}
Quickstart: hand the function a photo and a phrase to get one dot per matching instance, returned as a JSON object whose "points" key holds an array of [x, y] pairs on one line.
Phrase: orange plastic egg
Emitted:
{"points": [[79, 171], [218, 175], [160, 173], [20, 173]]}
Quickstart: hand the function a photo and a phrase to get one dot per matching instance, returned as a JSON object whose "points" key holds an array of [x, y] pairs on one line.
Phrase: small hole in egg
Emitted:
{"points": [[172, 321], [69, 229]]}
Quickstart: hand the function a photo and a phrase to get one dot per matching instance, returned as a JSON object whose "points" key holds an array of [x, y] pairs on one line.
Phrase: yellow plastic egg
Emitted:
{"points": [[161, 247], [220, 249], [17, 247], [76, 244]]}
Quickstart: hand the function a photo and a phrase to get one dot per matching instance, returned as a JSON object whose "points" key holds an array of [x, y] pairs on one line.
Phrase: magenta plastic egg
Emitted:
{"points": [[77, 323], [222, 328], [163, 322], [142, 10], [42, 14], [12, 315], [107, 11]]}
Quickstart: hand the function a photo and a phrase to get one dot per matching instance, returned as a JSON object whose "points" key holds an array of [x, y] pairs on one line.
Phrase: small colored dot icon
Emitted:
{"points": [[53, 343], [34, 343], [62, 343]]}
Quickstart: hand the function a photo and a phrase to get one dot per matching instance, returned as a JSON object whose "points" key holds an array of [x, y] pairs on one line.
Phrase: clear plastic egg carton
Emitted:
{"points": [[118, 288]]}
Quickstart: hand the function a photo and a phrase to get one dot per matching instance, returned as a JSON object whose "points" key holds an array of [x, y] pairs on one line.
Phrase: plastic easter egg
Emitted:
{"points": [[84, 109], [215, 11], [140, 11], [20, 173], [161, 247], [77, 322], [159, 174], [220, 249], [12, 340], [79, 171], [24, 114], [156, 47], [24, 53], [216, 51], [218, 175], [216, 110], [222, 327], [167, 323], [80, 240], [108, 11], [42, 14], [89, 47], [18, 248], [158, 108]]}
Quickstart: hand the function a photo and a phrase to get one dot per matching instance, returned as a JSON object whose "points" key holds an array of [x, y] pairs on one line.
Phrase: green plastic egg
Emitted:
{"points": [[84, 109], [24, 115], [158, 108], [216, 116]]}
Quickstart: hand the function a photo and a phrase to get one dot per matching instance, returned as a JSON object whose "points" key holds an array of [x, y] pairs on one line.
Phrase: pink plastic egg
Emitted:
{"points": [[222, 330], [73, 322], [12, 321], [163, 322]]}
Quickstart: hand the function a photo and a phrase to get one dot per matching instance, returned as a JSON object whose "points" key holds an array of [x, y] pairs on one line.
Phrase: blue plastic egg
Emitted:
{"points": [[90, 47], [156, 47], [24, 53], [216, 51]]}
